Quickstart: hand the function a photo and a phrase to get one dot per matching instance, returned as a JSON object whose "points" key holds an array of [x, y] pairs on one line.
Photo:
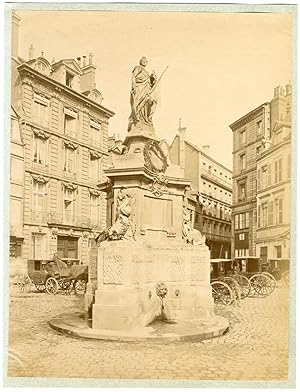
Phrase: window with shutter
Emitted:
{"points": [[258, 216], [276, 172], [278, 211], [280, 220], [264, 209], [289, 166], [280, 169], [258, 179], [236, 222], [269, 174], [270, 213], [40, 112]]}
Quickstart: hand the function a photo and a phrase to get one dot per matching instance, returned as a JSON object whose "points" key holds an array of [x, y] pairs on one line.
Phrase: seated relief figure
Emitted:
{"points": [[189, 234], [121, 229]]}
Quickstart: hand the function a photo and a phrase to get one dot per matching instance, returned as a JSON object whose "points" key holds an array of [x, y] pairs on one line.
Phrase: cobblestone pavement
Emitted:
{"points": [[256, 347]]}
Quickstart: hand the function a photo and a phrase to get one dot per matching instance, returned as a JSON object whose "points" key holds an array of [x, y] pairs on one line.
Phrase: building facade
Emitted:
{"points": [[64, 129], [16, 191], [274, 194], [212, 188], [251, 134]]}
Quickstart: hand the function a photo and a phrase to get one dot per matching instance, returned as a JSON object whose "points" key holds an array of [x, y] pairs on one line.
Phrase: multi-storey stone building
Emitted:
{"points": [[251, 133], [274, 194], [212, 187], [16, 191], [64, 130]]}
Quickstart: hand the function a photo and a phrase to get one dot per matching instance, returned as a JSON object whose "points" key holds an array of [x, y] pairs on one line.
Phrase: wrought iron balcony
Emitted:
{"points": [[72, 220]]}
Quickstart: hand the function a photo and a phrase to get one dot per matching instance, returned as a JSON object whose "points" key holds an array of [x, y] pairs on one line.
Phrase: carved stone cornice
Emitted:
{"points": [[27, 77], [40, 178]]}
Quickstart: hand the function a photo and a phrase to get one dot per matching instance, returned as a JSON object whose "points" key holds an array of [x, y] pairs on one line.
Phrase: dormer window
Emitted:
{"points": [[69, 79]]}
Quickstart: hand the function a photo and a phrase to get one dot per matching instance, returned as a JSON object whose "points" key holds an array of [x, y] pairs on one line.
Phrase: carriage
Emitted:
{"points": [[279, 268], [227, 285], [53, 275], [263, 283]]}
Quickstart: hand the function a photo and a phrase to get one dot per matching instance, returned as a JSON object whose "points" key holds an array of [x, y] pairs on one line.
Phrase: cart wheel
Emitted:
{"points": [[222, 294], [51, 286], [24, 283], [66, 285], [245, 285], [285, 278], [261, 284], [235, 287], [40, 287], [273, 280], [79, 286]]}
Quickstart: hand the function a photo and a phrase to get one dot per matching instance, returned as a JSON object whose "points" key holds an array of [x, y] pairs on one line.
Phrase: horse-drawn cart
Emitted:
{"points": [[227, 285], [262, 283], [52, 276]]}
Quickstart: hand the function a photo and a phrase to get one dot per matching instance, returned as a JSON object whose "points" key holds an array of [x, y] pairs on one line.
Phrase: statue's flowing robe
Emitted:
{"points": [[142, 104]]}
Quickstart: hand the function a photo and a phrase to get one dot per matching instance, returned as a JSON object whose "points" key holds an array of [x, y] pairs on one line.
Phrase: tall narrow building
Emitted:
{"points": [[212, 184], [64, 128], [252, 135]]}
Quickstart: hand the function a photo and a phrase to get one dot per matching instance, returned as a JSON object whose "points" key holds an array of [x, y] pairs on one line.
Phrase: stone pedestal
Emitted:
{"points": [[128, 275], [152, 250]]}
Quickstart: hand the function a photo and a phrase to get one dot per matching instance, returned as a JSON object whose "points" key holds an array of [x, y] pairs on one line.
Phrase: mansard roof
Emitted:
{"points": [[41, 64]]}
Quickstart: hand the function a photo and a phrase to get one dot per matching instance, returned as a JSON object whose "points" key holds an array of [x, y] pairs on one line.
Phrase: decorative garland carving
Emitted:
{"points": [[155, 159], [159, 185], [54, 233]]}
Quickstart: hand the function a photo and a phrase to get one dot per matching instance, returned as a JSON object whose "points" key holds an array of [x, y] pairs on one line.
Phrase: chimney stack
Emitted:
{"points": [[87, 80], [83, 61], [277, 106], [278, 91], [288, 89], [79, 61], [15, 35], [31, 52]]}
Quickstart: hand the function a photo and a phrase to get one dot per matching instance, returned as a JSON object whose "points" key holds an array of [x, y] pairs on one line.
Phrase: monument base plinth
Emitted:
{"points": [[75, 324], [131, 275]]}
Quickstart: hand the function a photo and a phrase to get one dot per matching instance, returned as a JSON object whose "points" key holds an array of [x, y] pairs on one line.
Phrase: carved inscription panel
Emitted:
{"points": [[177, 269], [113, 269], [198, 268]]}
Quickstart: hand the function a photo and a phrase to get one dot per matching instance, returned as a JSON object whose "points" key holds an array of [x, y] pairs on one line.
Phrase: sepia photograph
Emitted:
{"points": [[150, 153]]}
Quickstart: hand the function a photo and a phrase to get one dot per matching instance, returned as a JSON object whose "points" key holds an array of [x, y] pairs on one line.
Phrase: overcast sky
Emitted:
{"points": [[221, 65]]}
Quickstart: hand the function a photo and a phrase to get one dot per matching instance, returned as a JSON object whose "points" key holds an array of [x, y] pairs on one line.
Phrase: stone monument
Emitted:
{"points": [[151, 263]]}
